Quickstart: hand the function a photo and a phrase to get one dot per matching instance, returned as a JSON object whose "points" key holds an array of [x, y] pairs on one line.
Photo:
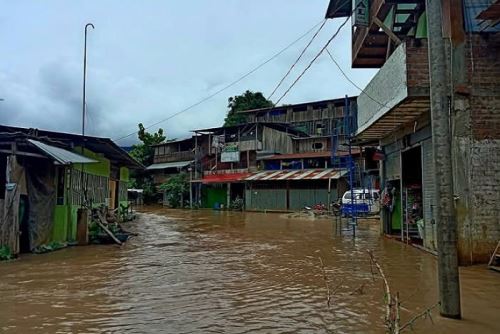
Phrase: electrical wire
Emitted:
{"points": [[304, 50], [353, 83], [313, 60], [297, 60], [227, 86]]}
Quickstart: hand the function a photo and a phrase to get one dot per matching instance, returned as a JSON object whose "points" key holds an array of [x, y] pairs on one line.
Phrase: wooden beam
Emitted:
{"points": [[102, 223], [388, 31], [28, 154]]}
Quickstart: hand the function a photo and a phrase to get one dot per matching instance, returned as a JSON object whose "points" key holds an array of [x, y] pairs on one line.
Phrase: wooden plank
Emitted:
{"points": [[102, 223], [28, 154], [388, 31]]}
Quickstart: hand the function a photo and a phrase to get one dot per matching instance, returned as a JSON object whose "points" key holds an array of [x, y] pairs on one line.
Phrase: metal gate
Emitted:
{"points": [[265, 199], [299, 198]]}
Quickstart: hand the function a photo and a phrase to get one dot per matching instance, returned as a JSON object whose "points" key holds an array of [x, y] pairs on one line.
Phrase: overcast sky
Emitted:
{"points": [[150, 59]]}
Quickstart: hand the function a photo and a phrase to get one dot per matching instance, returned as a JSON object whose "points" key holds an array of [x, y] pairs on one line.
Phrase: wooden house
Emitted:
{"points": [[46, 176], [170, 158], [226, 155]]}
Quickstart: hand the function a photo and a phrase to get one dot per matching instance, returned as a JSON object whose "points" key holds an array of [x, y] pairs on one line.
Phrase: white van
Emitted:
{"points": [[371, 197]]}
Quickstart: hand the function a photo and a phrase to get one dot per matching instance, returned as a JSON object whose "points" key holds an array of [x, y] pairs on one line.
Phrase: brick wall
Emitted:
{"points": [[477, 149], [483, 69], [478, 203], [417, 65]]}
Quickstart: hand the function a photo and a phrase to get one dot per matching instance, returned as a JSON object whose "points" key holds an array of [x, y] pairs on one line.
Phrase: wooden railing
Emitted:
{"points": [[176, 156], [225, 171]]}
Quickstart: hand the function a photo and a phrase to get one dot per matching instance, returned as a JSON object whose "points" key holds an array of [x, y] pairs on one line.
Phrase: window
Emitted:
{"points": [[60, 185], [317, 146]]}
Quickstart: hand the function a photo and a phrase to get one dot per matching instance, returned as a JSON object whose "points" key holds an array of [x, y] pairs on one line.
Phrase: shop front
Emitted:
{"points": [[408, 193]]}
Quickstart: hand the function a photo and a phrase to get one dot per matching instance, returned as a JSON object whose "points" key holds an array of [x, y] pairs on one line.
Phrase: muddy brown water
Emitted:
{"points": [[219, 272]]}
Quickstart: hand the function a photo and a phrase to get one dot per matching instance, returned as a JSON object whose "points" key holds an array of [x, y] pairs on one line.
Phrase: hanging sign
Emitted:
{"points": [[230, 156], [361, 14]]}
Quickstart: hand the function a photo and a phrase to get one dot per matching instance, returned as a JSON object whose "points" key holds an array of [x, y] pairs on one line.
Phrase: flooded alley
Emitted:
{"points": [[226, 272]]}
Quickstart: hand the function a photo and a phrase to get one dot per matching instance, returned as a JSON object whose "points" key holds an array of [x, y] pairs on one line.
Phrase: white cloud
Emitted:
{"points": [[149, 60]]}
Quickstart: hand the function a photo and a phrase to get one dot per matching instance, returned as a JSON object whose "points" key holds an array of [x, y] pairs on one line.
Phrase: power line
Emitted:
{"points": [[230, 84], [313, 60], [304, 50], [297, 60], [352, 82]]}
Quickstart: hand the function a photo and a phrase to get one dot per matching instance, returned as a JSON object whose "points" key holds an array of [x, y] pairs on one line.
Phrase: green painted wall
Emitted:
{"points": [[65, 216], [124, 174], [101, 168], [210, 196], [60, 228]]}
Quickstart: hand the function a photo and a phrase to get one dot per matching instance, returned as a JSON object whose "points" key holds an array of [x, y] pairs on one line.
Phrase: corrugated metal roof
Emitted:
{"points": [[224, 178], [60, 155], [163, 165], [298, 174], [472, 9], [96, 144]]}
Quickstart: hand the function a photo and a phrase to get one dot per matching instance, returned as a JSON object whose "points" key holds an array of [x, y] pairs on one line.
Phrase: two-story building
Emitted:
{"points": [[314, 171], [170, 158], [394, 113], [225, 156]]}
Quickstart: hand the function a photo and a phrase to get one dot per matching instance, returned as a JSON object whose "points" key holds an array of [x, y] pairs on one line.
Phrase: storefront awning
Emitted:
{"points": [[224, 178], [296, 175], [60, 155], [163, 165]]}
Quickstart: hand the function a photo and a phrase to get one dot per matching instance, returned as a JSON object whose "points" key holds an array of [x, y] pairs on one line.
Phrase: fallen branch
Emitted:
{"points": [[101, 223], [424, 314], [325, 279], [387, 290]]}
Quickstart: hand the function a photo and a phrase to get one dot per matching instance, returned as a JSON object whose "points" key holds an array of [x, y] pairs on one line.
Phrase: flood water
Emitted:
{"points": [[219, 272]]}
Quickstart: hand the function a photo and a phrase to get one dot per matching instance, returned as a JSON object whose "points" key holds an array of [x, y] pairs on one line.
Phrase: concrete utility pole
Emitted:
{"points": [[448, 276]]}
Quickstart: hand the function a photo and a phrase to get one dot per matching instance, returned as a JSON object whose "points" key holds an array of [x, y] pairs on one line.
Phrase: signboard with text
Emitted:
{"points": [[230, 156], [361, 13]]}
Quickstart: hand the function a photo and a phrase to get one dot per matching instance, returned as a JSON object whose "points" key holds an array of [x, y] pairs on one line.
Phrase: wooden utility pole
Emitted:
{"points": [[448, 276]]}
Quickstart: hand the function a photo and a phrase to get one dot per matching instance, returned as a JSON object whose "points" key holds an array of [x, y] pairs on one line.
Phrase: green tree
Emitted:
{"points": [[176, 189], [246, 101], [144, 153]]}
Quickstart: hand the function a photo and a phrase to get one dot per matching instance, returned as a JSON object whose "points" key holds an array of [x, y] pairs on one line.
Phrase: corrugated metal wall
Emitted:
{"points": [[309, 197], [278, 141], [428, 193], [265, 199]]}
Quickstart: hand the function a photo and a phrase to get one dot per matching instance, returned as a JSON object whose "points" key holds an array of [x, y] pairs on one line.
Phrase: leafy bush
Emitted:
{"points": [[5, 253], [176, 188]]}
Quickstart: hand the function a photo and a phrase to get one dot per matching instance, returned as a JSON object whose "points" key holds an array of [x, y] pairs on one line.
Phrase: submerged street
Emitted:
{"points": [[226, 272]]}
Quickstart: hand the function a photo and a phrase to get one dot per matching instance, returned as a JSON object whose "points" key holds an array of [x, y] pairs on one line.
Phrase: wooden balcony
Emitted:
{"points": [[172, 157], [391, 23]]}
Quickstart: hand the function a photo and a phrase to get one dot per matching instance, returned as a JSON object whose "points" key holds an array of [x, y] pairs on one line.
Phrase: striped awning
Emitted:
{"points": [[298, 174]]}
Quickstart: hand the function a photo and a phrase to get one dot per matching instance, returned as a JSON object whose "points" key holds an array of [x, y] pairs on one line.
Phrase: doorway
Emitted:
{"points": [[411, 196]]}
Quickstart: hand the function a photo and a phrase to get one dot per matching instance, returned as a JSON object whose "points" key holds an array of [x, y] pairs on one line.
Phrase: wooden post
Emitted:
{"points": [[82, 227]]}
